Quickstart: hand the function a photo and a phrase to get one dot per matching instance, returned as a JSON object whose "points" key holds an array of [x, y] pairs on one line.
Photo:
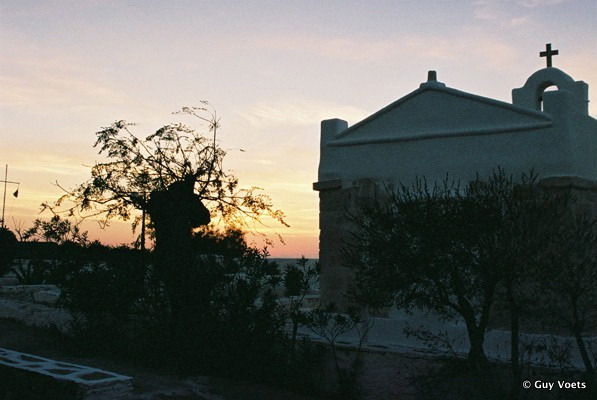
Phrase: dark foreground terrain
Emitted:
{"points": [[149, 384]]}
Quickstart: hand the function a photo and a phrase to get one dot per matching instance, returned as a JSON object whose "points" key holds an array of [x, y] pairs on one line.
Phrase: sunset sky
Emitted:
{"points": [[272, 70]]}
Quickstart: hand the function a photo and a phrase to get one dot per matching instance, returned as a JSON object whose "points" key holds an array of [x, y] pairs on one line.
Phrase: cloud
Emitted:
{"points": [[444, 47], [299, 113], [507, 13], [540, 3], [56, 169], [46, 77], [491, 52], [42, 87], [48, 164], [487, 50], [337, 48], [465, 43], [519, 21]]}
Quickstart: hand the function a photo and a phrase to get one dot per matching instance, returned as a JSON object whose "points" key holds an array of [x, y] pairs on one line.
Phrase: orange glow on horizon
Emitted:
{"points": [[120, 233]]}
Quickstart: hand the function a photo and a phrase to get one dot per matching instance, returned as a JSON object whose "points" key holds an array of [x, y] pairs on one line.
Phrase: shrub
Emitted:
{"points": [[8, 244]]}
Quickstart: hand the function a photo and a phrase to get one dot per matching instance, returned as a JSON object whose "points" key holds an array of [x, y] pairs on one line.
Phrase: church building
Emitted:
{"points": [[437, 131]]}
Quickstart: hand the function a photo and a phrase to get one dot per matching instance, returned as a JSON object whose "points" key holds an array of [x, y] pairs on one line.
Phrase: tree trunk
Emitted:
{"points": [[476, 355], [514, 348], [577, 332], [583, 352], [476, 336], [293, 342]]}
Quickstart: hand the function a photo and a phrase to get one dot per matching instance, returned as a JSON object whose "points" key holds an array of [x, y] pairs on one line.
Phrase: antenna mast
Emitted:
{"points": [[6, 181]]}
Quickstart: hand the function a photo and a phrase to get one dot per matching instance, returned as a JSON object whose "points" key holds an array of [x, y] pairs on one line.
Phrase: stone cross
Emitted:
{"points": [[548, 53]]}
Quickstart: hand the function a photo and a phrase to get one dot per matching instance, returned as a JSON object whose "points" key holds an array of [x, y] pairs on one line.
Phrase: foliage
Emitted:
{"points": [[463, 251], [174, 153], [570, 280], [56, 230], [202, 293], [102, 288], [442, 262], [299, 279], [246, 326], [8, 244], [438, 342], [457, 245], [33, 272], [329, 325], [232, 323], [55, 242]]}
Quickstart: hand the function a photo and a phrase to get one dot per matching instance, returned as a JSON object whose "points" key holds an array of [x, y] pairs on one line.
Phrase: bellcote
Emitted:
{"points": [[533, 93]]}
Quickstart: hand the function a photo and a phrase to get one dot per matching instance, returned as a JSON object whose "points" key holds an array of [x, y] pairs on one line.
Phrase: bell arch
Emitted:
{"points": [[531, 94]]}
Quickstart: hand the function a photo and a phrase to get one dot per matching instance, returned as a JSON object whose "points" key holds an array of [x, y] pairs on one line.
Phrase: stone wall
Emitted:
{"points": [[337, 201], [28, 376], [34, 305]]}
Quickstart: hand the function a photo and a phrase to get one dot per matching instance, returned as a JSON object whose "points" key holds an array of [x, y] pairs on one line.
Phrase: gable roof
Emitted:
{"points": [[436, 111]]}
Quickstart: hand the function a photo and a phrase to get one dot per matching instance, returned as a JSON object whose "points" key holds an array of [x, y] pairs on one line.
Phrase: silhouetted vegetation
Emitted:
{"points": [[8, 248], [231, 323], [460, 251], [142, 172], [206, 296]]}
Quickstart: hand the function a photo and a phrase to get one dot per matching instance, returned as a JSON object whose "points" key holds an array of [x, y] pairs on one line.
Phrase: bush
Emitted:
{"points": [[8, 246], [102, 290], [233, 324]]}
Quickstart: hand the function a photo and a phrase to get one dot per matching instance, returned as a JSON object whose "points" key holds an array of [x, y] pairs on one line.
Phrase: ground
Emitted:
{"points": [[148, 384]]}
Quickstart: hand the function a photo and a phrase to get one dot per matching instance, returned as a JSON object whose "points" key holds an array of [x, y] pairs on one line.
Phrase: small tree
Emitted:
{"points": [[426, 248], [571, 280], [298, 279], [532, 222], [329, 325], [176, 177], [449, 249], [175, 154]]}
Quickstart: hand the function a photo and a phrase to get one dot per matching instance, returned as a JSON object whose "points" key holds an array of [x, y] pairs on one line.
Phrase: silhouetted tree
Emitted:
{"points": [[427, 248], [139, 171], [533, 221], [298, 279], [449, 249], [570, 283], [176, 177]]}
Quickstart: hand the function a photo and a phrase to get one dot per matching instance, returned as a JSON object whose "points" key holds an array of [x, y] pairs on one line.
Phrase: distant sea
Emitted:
{"points": [[282, 262]]}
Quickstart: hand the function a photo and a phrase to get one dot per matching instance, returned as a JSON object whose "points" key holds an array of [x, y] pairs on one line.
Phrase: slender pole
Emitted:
{"points": [[4, 199]]}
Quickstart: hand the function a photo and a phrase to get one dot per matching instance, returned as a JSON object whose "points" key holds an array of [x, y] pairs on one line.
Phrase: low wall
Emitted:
{"points": [[34, 305], [31, 377]]}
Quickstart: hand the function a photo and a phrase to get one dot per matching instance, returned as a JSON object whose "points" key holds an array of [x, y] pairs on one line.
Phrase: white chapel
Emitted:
{"points": [[437, 131]]}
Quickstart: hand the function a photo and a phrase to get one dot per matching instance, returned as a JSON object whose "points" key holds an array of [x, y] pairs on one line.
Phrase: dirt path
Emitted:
{"points": [[148, 384]]}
